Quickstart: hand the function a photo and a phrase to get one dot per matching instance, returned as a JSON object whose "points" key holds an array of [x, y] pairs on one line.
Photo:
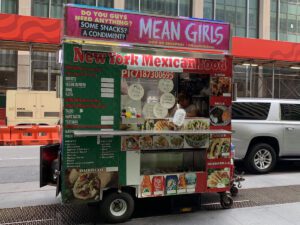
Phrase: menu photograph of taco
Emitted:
{"points": [[218, 148], [218, 178]]}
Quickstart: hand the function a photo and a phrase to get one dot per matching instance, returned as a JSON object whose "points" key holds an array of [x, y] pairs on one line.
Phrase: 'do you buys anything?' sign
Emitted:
{"points": [[93, 23]]}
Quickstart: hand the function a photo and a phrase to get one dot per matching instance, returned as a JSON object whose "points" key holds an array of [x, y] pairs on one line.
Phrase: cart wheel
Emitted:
{"points": [[117, 207], [234, 191], [226, 201]]}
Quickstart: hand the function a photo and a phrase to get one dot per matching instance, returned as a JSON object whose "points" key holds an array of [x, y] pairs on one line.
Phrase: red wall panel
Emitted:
{"points": [[30, 29], [265, 49]]}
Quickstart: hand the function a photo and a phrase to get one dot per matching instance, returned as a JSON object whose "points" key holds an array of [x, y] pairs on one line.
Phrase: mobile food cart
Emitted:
{"points": [[146, 108]]}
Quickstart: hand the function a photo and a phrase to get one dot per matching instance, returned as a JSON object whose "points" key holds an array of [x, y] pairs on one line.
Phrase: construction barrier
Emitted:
{"points": [[4, 135], [29, 135]]}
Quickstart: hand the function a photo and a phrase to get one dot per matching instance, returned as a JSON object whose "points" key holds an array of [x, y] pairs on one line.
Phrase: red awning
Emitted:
{"points": [[260, 49], [29, 29]]}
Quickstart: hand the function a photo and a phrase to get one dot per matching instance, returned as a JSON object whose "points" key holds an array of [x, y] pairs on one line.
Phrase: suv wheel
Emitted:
{"points": [[261, 158]]}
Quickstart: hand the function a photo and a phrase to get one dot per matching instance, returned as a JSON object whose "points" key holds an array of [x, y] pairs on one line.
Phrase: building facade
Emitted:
{"points": [[259, 19]]}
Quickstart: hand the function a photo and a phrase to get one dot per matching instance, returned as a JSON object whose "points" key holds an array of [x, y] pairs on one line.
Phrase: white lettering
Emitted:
{"points": [[205, 33], [219, 35], [187, 32], [156, 29], [165, 31], [145, 29], [175, 31]]}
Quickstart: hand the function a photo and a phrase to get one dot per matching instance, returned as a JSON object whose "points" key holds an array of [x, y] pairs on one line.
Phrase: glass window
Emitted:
{"points": [[241, 16], [235, 12], [292, 37], [40, 8], [232, 2], [273, 5], [185, 8], [250, 111], [289, 27], [161, 7], [208, 9], [220, 12], [9, 6], [283, 36], [283, 23], [290, 112], [292, 24], [8, 70], [298, 22], [292, 9], [45, 69], [283, 7], [83, 2], [169, 8], [105, 3], [56, 9], [132, 5]]}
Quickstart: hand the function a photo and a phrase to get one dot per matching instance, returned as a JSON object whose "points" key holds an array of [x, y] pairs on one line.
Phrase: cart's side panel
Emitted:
{"points": [[91, 99]]}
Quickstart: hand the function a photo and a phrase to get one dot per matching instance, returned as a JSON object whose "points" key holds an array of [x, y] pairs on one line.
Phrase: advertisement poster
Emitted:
{"points": [[97, 24]]}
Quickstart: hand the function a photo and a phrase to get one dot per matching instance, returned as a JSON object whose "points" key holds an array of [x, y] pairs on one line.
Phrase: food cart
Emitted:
{"points": [[146, 108]]}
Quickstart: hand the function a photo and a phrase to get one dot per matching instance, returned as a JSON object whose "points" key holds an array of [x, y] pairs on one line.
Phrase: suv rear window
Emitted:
{"points": [[290, 112], [250, 110]]}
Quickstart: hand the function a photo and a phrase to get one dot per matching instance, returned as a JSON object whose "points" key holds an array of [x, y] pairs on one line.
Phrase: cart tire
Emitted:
{"points": [[226, 201], [117, 207], [234, 191]]}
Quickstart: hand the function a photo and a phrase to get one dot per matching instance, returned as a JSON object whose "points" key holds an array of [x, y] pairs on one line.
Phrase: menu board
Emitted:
{"points": [[91, 101]]}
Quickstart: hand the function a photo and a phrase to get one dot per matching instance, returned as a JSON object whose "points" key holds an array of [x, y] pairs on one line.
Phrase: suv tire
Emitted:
{"points": [[261, 158]]}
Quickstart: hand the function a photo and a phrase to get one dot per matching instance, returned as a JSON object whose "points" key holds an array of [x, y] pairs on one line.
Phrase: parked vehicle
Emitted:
{"points": [[264, 131]]}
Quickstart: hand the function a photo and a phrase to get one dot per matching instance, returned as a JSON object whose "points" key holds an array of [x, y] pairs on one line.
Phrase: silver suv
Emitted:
{"points": [[265, 130]]}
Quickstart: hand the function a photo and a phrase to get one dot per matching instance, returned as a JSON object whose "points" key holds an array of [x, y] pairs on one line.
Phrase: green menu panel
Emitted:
{"points": [[91, 101]]}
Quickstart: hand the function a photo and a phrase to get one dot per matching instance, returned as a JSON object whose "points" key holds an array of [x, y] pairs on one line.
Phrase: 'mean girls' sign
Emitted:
{"points": [[92, 23]]}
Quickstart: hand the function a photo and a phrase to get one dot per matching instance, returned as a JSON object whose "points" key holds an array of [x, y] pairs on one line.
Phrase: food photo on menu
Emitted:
{"points": [[221, 85], [86, 184], [220, 115], [218, 178], [219, 148]]}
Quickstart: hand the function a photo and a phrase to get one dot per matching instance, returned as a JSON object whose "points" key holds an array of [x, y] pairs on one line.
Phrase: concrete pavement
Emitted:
{"points": [[284, 214]]}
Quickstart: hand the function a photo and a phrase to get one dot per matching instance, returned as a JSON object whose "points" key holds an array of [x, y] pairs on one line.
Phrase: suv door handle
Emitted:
{"points": [[290, 128]]}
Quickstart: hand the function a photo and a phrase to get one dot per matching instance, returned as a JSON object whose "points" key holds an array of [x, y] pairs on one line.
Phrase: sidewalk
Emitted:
{"points": [[285, 214]]}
